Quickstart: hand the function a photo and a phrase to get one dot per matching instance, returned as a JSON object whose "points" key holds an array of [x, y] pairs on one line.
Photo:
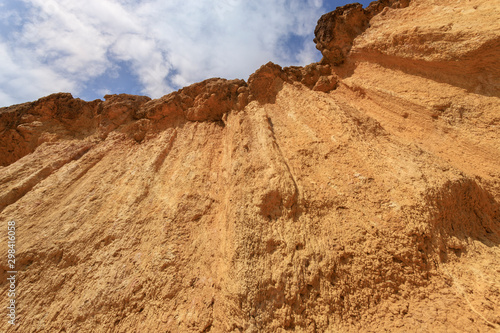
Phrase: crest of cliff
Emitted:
{"points": [[357, 194]]}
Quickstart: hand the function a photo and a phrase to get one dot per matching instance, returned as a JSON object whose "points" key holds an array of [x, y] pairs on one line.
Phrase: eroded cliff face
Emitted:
{"points": [[353, 195]]}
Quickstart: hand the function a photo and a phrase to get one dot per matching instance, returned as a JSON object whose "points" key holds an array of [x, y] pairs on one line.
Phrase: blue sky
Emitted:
{"points": [[147, 47]]}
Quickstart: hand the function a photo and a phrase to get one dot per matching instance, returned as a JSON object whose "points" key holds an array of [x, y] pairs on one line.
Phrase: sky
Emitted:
{"points": [[147, 47]]}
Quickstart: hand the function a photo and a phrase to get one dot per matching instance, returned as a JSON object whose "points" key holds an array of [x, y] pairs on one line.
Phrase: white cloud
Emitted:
{"points": [[22, 79], [146, 59], [104, 92], [167, 44], [9, 16], [308, 54]]}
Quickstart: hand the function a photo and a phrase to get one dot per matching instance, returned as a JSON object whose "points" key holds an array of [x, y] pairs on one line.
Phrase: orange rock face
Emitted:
{"points": [[358, 194], [337, 30]]}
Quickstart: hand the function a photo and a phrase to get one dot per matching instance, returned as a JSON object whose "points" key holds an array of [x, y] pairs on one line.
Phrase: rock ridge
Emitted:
{"points": [[336, 31], [25, 126]]}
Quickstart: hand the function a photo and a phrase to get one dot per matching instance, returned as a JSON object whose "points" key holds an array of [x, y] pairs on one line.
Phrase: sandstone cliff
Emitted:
{"points": [[357, 194]]}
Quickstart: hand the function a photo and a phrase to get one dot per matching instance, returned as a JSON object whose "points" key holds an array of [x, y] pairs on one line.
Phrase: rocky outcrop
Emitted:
{"points": [[204, 101], [361, 193], [336, 31], [57, 117], [60, 116]]}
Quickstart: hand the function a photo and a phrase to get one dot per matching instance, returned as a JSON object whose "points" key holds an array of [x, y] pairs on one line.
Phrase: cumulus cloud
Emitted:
{"points": [[63, 45], [23, 79]]}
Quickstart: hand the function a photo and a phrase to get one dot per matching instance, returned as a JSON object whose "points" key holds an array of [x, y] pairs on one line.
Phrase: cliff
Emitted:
{"points": [[361, 193]]}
